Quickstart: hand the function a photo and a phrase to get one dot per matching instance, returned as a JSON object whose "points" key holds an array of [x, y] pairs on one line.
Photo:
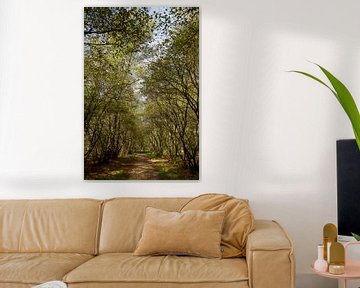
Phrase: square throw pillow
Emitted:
{"points": [[238, 223], [193, 232]]}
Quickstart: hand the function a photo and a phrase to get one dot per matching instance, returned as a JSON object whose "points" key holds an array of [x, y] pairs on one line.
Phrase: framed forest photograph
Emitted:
{"points": [[141, 93]]}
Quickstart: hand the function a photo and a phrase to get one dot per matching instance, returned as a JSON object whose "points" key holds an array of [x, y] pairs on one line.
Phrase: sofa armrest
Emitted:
{"points": [[269, 256]]}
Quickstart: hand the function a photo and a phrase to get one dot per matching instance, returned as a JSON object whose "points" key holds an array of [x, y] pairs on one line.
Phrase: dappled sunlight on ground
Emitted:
{"points": [[159, 160], [138, 166]]}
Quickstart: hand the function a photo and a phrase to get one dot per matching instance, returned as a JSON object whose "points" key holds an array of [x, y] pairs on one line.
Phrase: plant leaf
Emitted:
{"points": [[316, 79], [356, 236], [357, 137], [344, 97], [347, 102]]}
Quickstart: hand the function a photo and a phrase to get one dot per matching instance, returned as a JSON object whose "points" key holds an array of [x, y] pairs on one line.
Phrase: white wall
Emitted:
{"points": [[266, 135]]}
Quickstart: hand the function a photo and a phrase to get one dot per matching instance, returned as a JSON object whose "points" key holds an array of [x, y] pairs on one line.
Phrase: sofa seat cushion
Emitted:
{"points": [[36, 268], [15, 285], [242, 284], [125, 267]]}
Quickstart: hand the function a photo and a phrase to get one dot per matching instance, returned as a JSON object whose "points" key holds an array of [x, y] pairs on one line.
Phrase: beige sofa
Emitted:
{"points": [[89, 243]]}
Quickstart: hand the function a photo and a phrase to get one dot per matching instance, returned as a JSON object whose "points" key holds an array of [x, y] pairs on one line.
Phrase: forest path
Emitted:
{"points": [[137, 166], [141, 168]]}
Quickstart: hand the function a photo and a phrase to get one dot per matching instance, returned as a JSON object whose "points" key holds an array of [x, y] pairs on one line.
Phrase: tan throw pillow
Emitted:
{"points": [[239, 220], [196, 233]]}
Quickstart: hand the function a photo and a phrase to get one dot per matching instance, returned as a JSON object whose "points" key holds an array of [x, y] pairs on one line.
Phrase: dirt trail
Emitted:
{"points": [[141, 168], [135, 167]]}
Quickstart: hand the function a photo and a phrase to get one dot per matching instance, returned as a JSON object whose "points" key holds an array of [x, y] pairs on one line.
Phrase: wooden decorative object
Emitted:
{"points": [[330, 236]]}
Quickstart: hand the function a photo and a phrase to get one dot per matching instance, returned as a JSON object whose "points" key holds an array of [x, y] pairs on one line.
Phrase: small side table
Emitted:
{"points": [[352, 269]]}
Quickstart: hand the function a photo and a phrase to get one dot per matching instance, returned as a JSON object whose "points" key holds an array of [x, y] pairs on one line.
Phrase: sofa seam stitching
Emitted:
{"points": [[98, 228]]}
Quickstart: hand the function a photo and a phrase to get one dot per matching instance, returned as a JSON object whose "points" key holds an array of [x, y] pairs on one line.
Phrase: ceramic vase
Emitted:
{"points": [[320, 264]]}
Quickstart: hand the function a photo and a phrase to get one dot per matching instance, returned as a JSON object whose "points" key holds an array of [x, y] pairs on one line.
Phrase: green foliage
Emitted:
{"points": [[167, 172], [344, 97], [356, 236], [141, 84], [118, 27], [172, 88]]}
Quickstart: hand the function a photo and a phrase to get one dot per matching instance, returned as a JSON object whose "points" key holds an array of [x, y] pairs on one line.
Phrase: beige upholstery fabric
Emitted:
{"points": [[269, 255], [239, 220], [36, 268], [49, 225], [27, 225], [127, 268], [192, 232], [123, 218], [242, 284], [15, 285]]}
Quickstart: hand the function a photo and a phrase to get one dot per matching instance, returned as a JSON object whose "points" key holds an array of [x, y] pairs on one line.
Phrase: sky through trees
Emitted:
{"points": [[141, 92]]}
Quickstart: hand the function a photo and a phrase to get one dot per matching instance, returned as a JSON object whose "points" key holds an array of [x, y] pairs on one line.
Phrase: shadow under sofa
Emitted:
{"points": [[90, 243]]}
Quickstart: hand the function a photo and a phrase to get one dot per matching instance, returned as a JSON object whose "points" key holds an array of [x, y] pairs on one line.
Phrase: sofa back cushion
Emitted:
{"points": [[123, 220], [238, 224], [67, 226]]}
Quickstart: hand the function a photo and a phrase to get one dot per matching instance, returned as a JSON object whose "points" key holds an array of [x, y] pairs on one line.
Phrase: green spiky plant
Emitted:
{"points": [[345, 99], [356, 236]]}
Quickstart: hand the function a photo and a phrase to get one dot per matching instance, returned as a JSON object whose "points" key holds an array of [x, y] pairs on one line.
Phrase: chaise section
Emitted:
{"points": [[34, 268], [269, 256], [126, 270]]}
